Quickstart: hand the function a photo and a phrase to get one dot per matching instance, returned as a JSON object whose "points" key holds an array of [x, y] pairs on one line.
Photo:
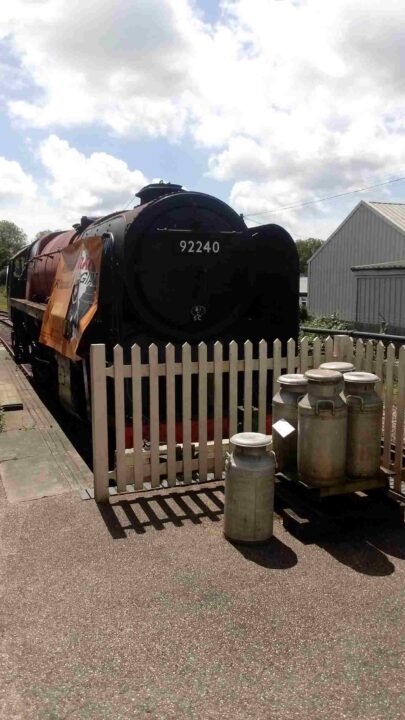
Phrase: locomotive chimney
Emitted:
{"points": [[156, 190]]}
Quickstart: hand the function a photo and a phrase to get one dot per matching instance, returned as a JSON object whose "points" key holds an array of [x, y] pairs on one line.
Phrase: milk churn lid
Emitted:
{"points": [[323, 376], [342, 367], [361, 377], [250, 439], [292, 379]]}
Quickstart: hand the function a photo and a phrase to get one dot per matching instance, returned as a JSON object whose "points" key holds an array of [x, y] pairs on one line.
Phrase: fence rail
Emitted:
{"points": [[166, 461]]}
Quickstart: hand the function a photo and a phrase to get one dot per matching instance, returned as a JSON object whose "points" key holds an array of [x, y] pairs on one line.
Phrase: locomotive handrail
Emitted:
{"points": [[199, 232]]}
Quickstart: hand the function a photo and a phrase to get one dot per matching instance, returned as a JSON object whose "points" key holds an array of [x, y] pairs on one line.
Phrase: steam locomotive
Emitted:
{"points": [[179, 267]]}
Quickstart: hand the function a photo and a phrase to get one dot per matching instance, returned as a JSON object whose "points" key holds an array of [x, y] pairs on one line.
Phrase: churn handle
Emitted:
{"points": [[330, 402], [356, 397]]}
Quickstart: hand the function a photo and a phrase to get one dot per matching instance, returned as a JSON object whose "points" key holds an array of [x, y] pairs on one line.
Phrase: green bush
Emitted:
{"points": [[330, 322]]}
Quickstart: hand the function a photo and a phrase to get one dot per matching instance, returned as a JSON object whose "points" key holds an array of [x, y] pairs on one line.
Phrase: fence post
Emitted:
{"points": [[99, 422], [339, 347], [399, 430]]}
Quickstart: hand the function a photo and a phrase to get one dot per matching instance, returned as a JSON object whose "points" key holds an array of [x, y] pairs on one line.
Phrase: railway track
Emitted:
{"points": [[70, 427], [5, 340]]}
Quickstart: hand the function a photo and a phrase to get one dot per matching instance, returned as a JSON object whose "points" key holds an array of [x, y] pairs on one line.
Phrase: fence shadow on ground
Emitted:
{"points": [[364, 550], [156, 512]]}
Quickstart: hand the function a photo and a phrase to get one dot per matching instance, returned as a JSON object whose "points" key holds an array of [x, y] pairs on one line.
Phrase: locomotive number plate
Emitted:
{"points": [[198, 247]]}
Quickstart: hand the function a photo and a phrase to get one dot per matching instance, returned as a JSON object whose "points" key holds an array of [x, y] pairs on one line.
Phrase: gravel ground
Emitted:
{"points": [[146, 611]]}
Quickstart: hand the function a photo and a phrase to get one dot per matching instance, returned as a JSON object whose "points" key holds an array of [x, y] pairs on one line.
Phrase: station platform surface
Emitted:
{"points": [[36, 458], [141, 609]]}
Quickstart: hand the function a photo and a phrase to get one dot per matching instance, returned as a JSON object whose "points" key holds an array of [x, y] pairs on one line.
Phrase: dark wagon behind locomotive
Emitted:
{"points": [[180, 267]]}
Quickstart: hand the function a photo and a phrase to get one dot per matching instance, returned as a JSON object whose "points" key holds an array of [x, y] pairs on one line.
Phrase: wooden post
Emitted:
{"points": [[388, 396], [368, 361], [262, 386], [291, 369], [202, 412], [329, 349], [359, 359], [276, 364], [154, 416], [339, 347], [137, 429], [119, 404], [399, 430], [218, 415], [304, 363], [378, 367], [186, 411], [316, 353], [233, 388], [247, 387], [170, 415], [99, 422]]}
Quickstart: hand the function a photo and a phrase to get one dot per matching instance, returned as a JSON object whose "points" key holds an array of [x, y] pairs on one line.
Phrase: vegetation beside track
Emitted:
{"points": [[3, 301]]}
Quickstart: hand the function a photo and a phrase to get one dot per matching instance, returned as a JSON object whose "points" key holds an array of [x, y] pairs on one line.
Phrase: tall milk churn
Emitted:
{"points": [[322, 430], [285, 407], [364, 423], [249, 489]]}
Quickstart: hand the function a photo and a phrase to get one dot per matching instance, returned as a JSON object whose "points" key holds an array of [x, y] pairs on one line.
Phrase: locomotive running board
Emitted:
{"points": [[34, 309]]}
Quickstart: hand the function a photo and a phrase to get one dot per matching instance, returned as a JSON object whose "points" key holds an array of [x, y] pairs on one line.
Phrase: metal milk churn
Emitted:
{"points": [[322, 429], [342, 367], [364, 423], [285, 407], [249, 489]]}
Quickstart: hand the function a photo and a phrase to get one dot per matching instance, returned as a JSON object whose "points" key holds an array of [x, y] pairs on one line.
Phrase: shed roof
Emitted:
{"points": [[395, 212]]}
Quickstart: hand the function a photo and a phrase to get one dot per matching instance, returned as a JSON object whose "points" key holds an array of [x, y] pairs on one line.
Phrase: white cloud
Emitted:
{"points": [[75, 185], [291, 99], [99, 183], [15, 184], [122, 64]]}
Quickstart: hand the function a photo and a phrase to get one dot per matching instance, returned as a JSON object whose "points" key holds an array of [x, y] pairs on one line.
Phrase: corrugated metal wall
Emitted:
{"points": [[381, 298], [365, 238]]}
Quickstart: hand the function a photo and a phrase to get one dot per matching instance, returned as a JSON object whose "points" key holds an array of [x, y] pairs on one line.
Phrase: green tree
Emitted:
{"points": [[306, 249], [12, 239]]}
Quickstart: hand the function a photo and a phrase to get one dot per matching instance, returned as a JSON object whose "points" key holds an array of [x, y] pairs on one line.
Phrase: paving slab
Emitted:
{"points": [[36, 458], [31, 478], [21, 444]]}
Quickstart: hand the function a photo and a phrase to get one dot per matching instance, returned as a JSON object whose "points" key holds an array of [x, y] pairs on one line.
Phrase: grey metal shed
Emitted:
{"points": [[380, 297], [372, 233]]}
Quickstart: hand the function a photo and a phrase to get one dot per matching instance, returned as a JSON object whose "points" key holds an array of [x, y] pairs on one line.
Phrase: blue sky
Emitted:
{"points": [[264, 103]]}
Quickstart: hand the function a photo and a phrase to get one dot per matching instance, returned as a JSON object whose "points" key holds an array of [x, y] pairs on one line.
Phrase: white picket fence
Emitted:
{"points": [[169, 463]]}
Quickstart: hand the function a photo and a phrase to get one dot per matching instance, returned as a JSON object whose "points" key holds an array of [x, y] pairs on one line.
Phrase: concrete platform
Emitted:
{"points": [[141, 609], [36, 458]]}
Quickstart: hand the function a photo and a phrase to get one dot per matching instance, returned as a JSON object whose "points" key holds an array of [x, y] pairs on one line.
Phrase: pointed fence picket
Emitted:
{"points": [[178, 449], [262, 415]]}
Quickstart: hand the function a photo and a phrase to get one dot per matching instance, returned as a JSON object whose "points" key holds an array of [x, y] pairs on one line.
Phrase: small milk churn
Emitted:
{"points": [[285, 407], [249, 489], [322, 429], [364, 423]]}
